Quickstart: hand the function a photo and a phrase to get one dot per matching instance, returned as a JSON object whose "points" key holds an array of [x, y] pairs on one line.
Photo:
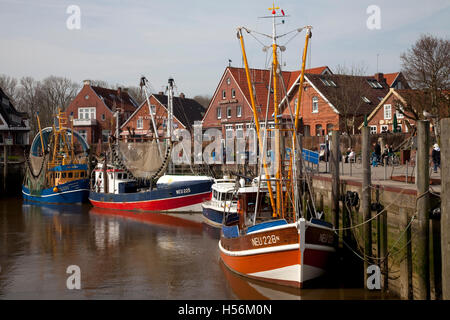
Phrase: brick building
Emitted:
{"points": [[185, 112], [381, 119], [93, 111], [339, 102], [230, 107]]}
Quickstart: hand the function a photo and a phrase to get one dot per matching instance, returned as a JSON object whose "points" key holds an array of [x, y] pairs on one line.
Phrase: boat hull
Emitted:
{"points": [[76, 191], [274, 255], [178, 198], [215, 217]]}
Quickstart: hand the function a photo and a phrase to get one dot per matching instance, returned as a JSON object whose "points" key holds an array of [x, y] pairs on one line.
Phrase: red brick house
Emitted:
{"points": [[93, 111], [381, 119], [185, 112], [230, 107], [339, 102]]}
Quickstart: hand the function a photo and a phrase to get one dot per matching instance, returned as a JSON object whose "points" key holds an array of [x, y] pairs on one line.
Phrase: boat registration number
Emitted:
{"points": [[265, 240], [183, 191]]}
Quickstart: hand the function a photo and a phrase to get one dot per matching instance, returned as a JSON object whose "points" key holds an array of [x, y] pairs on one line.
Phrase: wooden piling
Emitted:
{"points": [[334, 169], [445, 207], [422, 267], [406, 291], [366, 199], [5, 165]]}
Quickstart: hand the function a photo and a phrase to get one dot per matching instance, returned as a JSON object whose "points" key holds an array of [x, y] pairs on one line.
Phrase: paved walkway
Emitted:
{"points": [[380, 175]]}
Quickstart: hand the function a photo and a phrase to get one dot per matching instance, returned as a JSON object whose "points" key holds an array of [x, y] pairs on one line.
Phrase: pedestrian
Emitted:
{"points": [[436, 157]]}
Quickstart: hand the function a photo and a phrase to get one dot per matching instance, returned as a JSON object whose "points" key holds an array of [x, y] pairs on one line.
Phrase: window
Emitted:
{"points": [[219, 113], [105, 135], [239, 111], [375, 84], [228, 81], [228, 112], [229, 131], [86, 113], [365, 99], [140, 123], [384, 129], [119, 176], [82, 174], [315, 105], [224, 94], [70, 174], [329, 128], [239, 131], [83, 133], [325, 82], [373, 129], [76, 174], [400, 115], [318, 129], [233, 93], [103, 117], [63, 174], [387, 111], [307, 130], [153, 109]]}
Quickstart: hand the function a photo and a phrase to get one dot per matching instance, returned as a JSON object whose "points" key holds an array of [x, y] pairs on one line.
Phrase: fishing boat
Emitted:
{"points": [[132, 176], [292, 244], [57, 170]]}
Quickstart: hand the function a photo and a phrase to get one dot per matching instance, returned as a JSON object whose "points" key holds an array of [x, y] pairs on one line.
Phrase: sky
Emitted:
{"points": [[192, 41]]}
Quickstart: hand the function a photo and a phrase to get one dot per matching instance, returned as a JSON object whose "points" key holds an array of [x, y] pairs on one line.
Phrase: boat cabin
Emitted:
{"points": [[62, 174], [118, 181]]}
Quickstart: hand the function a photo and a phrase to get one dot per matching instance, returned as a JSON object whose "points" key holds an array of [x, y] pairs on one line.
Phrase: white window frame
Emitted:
{"points": [[233, 93], [239, 131], [140, 123], [315, 102], [153, 109], [238, 111], [86, 113], [228, 112], [384, 126], [372, 131], [387, 111], [224, 94], [219, 112], [399, 114]]}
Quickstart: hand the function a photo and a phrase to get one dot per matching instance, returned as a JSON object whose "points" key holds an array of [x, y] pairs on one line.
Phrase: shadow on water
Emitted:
{"points": [[129, 255]]}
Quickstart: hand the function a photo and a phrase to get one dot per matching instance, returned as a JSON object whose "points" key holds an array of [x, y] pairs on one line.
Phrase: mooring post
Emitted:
{"points": [[406, 176], [406, 263], [423, 206], [384, 248], [334, 168], [366, 199], [445, 207], [5, 165]]}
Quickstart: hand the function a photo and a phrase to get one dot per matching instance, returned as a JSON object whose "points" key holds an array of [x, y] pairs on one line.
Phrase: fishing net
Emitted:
{"points": [[35, 179], [142, 159]]}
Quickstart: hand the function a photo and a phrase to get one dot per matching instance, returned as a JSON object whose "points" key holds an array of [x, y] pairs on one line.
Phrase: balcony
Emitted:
{"points": [[84, 122]]}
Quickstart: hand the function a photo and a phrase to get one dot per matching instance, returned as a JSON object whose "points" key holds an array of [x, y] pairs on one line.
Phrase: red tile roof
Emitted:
{"points": [[390, 77], [260, 79], [113, 99]]}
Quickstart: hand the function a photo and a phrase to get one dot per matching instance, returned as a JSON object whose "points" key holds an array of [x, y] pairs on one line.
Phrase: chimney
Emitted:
{"points": [[380, 77], [87, 82], [161, 93], [182, 96], [125, 90], [119, 91]]}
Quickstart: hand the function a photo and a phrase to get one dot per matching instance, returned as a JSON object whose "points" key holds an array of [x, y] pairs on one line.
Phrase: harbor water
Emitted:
{"points": [[128, 255]]}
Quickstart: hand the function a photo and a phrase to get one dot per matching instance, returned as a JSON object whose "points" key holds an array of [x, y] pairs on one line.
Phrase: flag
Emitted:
{"points": [[282, 12]]}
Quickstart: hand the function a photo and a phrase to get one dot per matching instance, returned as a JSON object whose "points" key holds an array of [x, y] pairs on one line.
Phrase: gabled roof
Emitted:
{"points": [[113, 99], [186, 110], [261, 79], [9, 114], [391, 77]]}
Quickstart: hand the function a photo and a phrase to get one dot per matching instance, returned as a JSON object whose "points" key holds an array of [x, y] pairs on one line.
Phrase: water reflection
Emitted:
{"points": [[123, 254]]}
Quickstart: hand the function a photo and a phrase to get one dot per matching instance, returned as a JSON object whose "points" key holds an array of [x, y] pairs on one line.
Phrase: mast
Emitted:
{"points": [[276, 111], [170, 109]]}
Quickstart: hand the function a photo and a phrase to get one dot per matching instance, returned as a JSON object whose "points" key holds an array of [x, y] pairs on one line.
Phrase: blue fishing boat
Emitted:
{"points": [[57, 170]]}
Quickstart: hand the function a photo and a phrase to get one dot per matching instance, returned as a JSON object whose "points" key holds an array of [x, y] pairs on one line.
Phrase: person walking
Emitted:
{"points": [[436, 157]]}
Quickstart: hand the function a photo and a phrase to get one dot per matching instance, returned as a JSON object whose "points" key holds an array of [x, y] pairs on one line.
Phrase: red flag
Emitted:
{"points": [[282, 12]]}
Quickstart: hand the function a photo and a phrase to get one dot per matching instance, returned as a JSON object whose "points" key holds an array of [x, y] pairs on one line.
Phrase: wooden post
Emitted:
{"points": [[445, 207], [334, 169], [5, 165], [406, 291], [421, 249], [366, 198], [384, 248]]}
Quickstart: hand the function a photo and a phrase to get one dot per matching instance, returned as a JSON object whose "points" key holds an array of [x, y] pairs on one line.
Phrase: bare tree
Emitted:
{"points": [[137, 94], [9, 86], [203, 100]]}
